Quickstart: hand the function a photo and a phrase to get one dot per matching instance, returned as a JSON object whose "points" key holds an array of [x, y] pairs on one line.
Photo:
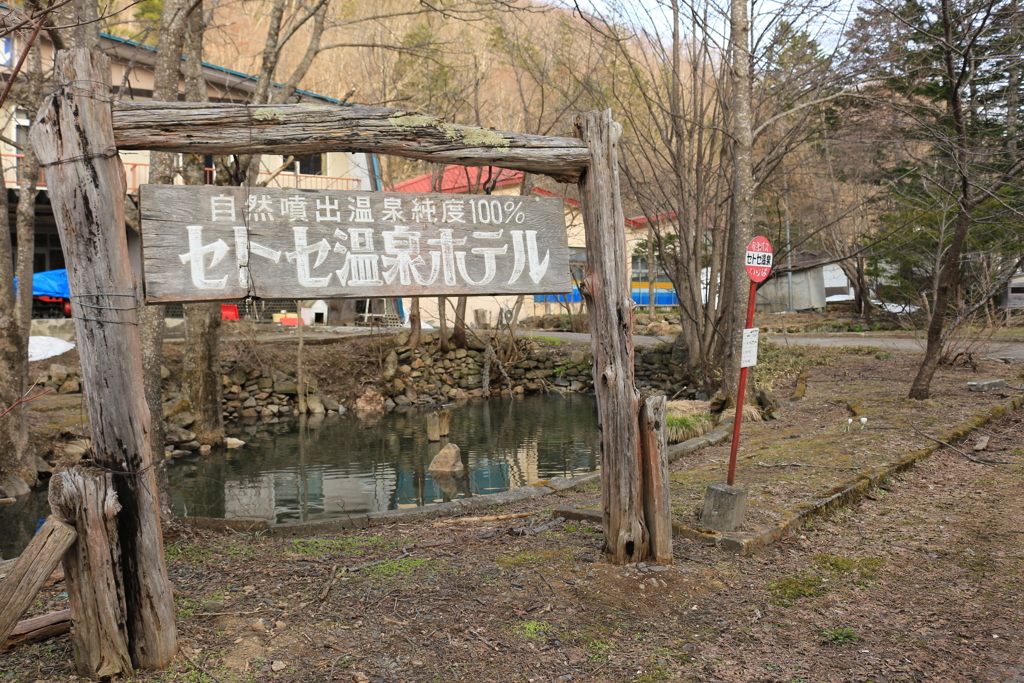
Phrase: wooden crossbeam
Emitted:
{"points": [[301, 129]]}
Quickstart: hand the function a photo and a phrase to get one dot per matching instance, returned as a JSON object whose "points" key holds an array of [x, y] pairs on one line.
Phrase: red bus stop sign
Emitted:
{"points": [[759, 259]]}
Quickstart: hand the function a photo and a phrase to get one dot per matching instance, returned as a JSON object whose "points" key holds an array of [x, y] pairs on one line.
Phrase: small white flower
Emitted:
{"points": [[848, 423], [863, 421]]}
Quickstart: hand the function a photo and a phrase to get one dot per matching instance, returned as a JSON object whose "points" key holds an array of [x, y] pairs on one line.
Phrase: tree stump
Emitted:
{"points": [[85, 496]]}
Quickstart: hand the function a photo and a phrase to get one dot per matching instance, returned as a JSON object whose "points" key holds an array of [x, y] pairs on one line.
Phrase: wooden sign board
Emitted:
{"points": [[206, 243]]}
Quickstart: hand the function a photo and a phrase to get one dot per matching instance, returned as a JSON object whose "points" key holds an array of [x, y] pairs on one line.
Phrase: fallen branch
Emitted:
{"points": [[545, 581], [38, 628], [980, 461], [489, 518], [485, 641], [374, 564], [326, 590], [527, 531]]}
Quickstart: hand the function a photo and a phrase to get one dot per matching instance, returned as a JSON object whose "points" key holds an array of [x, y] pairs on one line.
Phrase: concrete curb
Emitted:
{"points": [[424, 512], [851, 491]]}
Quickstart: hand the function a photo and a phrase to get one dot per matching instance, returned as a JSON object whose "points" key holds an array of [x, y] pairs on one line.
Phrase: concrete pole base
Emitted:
{"points": [[724, 507]]}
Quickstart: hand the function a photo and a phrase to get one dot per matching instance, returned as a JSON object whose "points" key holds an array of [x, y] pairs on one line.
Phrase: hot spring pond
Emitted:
{"points": [[322, 469]]}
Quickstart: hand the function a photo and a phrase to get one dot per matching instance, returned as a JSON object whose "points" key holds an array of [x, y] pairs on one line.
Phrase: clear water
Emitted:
{"points": [[341, 465], [325, 469]]}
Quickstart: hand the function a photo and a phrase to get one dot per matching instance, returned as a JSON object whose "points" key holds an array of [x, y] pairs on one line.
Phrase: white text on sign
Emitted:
{"points": [[208, 243]]}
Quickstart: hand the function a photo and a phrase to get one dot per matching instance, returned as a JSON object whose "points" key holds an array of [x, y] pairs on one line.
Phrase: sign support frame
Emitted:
{"points": [[104, 289]]}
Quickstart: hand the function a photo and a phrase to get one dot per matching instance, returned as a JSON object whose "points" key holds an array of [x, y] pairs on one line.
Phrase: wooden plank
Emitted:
{"points": [[302, 129], [74, 141], [85, 496], [210, 243], [654, 457], [433, 427], [38, 628], [606, 290], [22, 583]]}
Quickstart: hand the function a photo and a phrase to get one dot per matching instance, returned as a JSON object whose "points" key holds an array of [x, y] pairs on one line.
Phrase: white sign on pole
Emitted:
{"points": [[748, 355]]}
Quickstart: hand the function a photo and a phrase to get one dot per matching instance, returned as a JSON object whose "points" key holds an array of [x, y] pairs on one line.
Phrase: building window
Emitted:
{"points": [[311, 165], [577, 262]]}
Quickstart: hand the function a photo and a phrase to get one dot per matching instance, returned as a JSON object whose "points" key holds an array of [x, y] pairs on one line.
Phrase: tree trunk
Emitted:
{"points": [[200, 376], [742, 193], [652, 274], [442, 321], [74, 138], [151, 341], [13, 358], [921, 388], [201, 366], [414, 323], [301, 374], [16, 309], [605, 288], [459, 331], [950, 270]]}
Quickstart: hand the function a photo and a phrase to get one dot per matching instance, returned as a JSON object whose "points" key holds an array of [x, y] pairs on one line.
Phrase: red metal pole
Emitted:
{"points": [[740, 394]]}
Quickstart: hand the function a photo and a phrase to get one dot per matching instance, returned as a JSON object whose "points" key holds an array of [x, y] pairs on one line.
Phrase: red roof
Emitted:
{"points": [[461, 179], [469, 178]]}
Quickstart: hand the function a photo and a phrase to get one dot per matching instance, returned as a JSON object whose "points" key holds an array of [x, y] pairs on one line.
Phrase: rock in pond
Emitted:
{"points": [[448, 461]]}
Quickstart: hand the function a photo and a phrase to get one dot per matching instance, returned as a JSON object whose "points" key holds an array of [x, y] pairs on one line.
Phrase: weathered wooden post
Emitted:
{"points": [[444, 422], [75, 142], [657, 502], [40, 558], [433, 427], [85, 496], [605, 288]]}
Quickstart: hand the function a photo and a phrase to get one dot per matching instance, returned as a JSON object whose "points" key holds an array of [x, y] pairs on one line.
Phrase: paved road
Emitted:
{"points": [[1008, 349]]}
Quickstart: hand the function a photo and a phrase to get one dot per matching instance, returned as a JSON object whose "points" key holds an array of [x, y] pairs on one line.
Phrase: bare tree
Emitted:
{"points": [[16, 457], [201, 364], [702, 141]]}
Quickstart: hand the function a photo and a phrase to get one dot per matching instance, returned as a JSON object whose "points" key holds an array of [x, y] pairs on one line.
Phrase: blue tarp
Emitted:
{"points": [[49, 283], [662, 297]]}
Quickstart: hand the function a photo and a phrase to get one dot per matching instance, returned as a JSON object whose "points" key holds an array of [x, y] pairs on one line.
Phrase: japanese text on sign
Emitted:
{"points": [[759, 259], [748, 353], [207, 243]]}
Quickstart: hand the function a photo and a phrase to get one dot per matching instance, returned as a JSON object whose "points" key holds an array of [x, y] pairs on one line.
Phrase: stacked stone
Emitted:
{"points": [[426, 375], [62, 379], [269, 397], [657, 372]]}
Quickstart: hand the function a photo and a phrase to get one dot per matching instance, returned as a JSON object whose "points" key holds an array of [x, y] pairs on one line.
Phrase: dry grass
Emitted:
{"points": [[686, 420]]}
